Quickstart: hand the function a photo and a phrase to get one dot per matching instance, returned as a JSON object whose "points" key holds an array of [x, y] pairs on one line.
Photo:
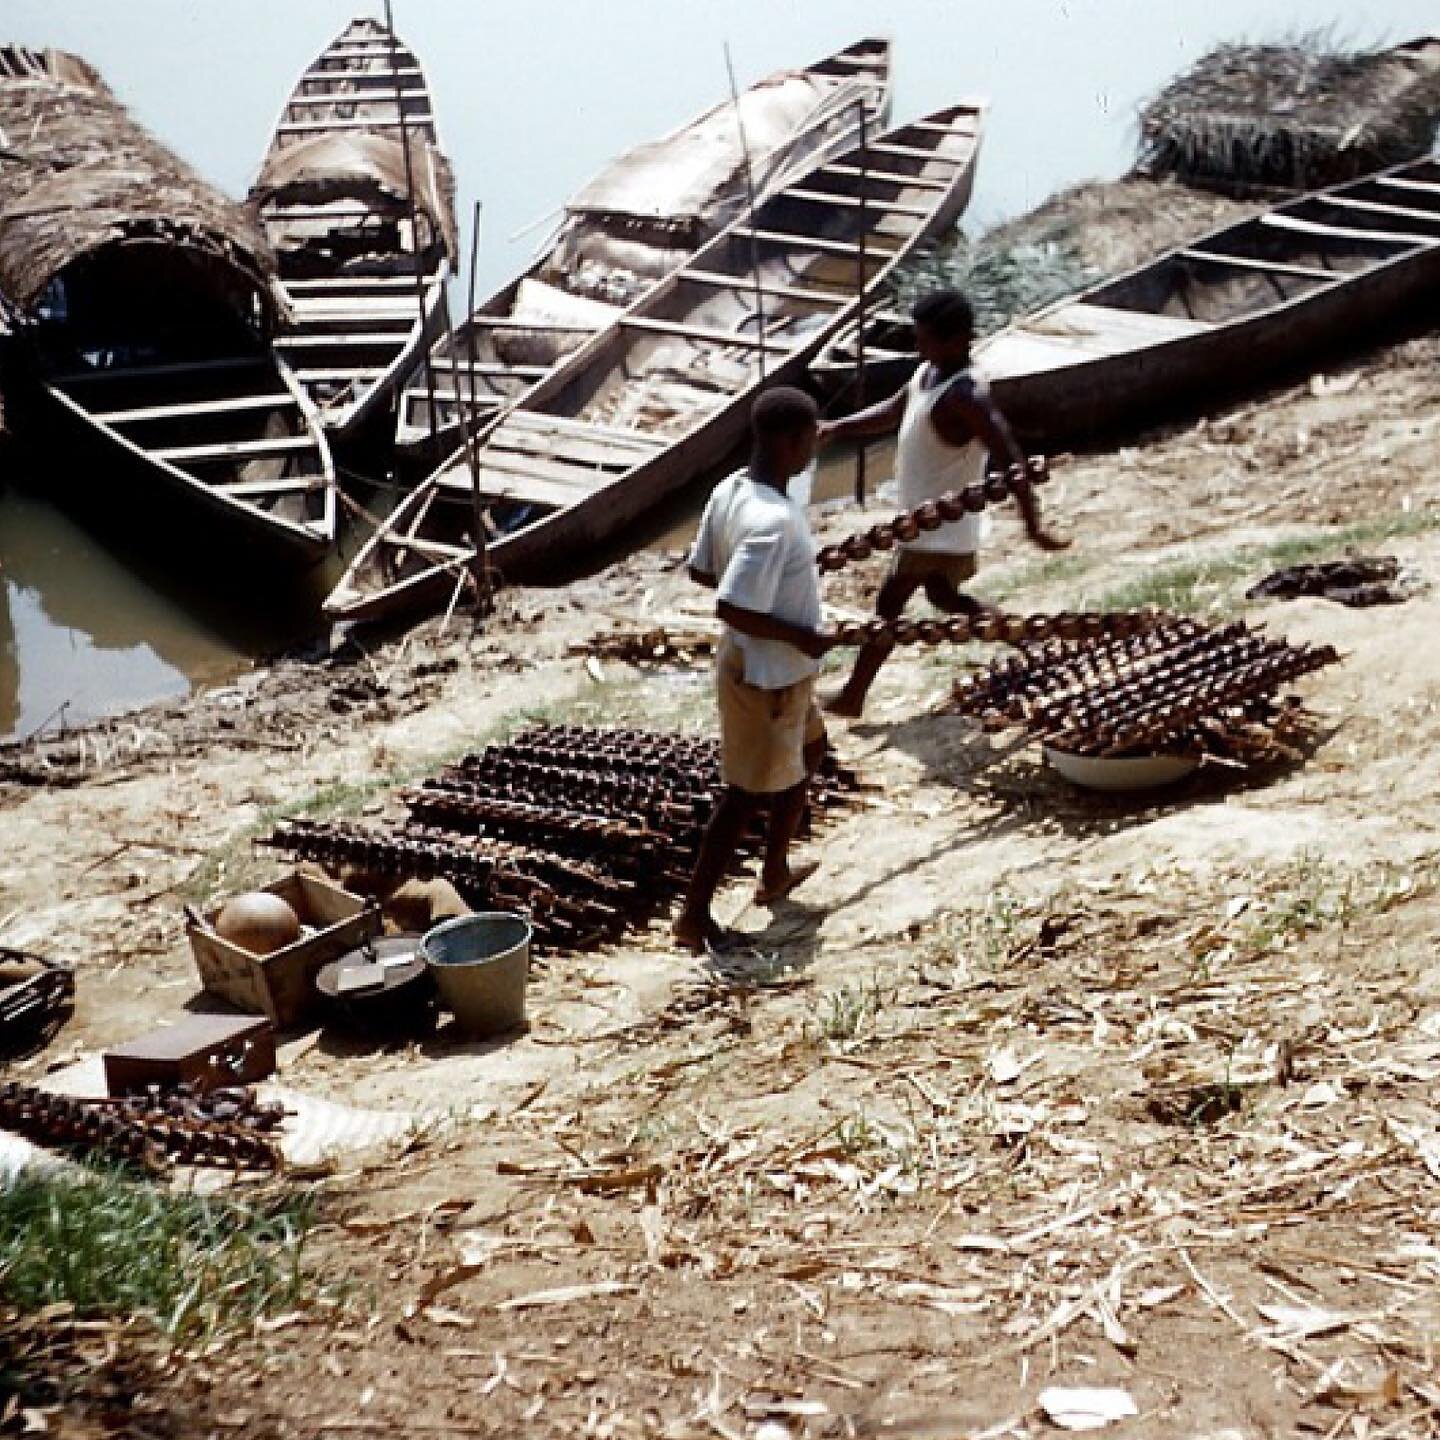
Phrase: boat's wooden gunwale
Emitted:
{"points": [[570, 528]]}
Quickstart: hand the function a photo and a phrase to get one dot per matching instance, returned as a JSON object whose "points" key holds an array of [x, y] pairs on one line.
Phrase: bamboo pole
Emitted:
{"points": [[414, 213], [481, 563], [861, 275], [750, 195]]}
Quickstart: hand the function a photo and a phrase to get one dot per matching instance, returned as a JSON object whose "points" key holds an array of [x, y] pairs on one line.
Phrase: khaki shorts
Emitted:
{"points": [[953, 565], [763, 733]]}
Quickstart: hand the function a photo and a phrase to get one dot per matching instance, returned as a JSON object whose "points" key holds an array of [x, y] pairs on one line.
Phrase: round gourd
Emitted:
{"points": [[258, 922]]}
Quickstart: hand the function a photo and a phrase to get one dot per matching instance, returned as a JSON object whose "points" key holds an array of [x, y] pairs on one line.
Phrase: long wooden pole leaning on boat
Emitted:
{"points": [[481, 563], [414, 214], [860, 278], [750, 195]]}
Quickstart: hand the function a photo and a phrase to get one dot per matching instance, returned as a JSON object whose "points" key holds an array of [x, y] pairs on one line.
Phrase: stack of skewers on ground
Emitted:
{"points": [[228, 1128], [1179, 687], [590, 833]]}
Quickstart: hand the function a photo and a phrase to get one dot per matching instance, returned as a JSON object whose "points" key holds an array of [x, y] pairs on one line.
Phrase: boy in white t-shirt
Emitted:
{"points": [[755, 549]]}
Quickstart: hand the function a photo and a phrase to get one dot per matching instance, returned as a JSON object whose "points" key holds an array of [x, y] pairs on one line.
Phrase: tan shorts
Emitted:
{"points": [[763, 733], [955, 566]]}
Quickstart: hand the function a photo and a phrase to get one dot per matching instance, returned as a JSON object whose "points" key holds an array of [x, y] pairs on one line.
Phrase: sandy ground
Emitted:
{"points": [[1027, 1089]]}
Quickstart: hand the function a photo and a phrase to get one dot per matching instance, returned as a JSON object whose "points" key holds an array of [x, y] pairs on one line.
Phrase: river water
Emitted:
{"points": [[528, 112]]}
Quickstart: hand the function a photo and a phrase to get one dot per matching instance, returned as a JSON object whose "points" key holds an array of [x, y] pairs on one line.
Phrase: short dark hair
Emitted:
{"points": [[781, 412], [946, 314]]}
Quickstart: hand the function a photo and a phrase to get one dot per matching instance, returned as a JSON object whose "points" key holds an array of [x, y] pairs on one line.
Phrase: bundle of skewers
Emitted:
{"points": [[147, 1131], [954, 505], [588, 832], [1177, 687]]}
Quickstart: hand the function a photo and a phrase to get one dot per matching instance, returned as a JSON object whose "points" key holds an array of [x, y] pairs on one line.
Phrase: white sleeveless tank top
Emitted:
{"points": [[926, 466]]}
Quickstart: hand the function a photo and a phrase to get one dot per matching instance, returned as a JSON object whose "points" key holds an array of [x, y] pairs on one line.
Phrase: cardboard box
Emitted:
{"points": [[282, 985], [205, 1052]]}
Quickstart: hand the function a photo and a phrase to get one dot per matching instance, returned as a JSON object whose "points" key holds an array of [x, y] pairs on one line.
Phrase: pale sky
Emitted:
{"points": [[533, 99]]}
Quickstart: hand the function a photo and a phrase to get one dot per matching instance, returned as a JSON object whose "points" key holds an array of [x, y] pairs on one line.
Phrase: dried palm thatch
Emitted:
{"points": [[366, 166], [79, 176], [1294, 115]]}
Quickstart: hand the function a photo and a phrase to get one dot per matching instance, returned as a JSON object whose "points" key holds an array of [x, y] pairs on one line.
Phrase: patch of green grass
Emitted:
{"points": [[988, 937], [1210, 583], [1039, 574], [109, 1245], [852, 1010], [234, 862]]}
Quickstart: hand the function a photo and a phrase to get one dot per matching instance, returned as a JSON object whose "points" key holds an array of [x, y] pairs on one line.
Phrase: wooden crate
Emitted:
{"points": [[202, 1051], [282, 985]]}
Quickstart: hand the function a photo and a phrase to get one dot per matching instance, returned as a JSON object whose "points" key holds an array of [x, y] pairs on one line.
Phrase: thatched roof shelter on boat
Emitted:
{"points": [[1296, 116], [80, 178]]}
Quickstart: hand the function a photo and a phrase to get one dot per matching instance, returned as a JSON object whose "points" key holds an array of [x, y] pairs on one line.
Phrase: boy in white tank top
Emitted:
{"points": [[947, 426]]}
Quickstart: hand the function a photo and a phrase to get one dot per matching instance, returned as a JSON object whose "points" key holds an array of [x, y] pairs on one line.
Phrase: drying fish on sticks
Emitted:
{"points": [[586, 831], [1178, 687], [145, 1130]]}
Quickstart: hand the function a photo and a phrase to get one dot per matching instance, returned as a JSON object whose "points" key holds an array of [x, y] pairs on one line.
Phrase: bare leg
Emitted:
{"points": [[943, 594], [776, 877], [894, 595], [695, 925]]}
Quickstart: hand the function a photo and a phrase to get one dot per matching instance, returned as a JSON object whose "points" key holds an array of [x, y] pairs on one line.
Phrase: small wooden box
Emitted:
{"points": [[202, 1051], [282, 985]]}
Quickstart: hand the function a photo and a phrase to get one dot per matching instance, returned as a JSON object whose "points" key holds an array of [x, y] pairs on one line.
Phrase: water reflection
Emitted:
{"points": [[86, 632]]}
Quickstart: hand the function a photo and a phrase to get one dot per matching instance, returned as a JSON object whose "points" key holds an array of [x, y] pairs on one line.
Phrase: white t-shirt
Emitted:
{"points": [[757, 542]]}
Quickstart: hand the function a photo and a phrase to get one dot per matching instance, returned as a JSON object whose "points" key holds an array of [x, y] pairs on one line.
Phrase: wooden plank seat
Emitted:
{"points": [[1275, 267], [810, 242], [1317, 227], [319, 375], [1401, 182], [745, 285], [917, 152], [485, 368], [234, 450], [339, 340], [351, 282], [886, 177], [702, 333], [537, 419], [889, 207], [290, 485], [1376, 207], [281, 400], [580, 452], [314, 127]]}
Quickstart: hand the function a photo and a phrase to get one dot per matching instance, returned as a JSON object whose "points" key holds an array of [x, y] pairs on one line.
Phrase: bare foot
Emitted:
{"points": [[771, 894], [845, 705], [698, 935]]}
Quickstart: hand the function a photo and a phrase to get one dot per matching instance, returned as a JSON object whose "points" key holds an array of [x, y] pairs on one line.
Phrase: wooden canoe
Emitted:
{"points": [[141, 301], [230, 441], [333, 196], [663, 396], [630, 226], [1234, 311]]}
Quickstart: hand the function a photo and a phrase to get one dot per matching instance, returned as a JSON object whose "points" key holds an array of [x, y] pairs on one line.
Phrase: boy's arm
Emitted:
{"points": [[965, 410], [814, 643], [878, 419]]}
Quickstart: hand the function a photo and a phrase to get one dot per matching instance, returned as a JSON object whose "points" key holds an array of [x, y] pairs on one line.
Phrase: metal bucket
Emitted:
{"points": [[481, 963]]}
